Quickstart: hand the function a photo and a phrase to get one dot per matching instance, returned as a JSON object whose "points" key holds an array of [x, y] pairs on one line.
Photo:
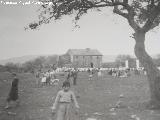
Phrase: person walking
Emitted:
{"points": [[13, 94], [63, 100]]}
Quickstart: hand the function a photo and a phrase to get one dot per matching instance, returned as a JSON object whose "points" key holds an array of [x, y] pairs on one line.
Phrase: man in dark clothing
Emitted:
{"points": [[13, 94], [75, 72], [91, 65]]}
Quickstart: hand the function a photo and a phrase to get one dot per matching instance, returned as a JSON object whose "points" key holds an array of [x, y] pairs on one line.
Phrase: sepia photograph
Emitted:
{"points": [[79, 60]]}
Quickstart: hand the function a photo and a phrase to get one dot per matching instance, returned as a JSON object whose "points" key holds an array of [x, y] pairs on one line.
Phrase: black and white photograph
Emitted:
{"points": [[79, 60]]}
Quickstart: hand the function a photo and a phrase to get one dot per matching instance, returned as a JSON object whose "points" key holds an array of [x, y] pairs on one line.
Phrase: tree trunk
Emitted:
{"points": [[153, 73]]}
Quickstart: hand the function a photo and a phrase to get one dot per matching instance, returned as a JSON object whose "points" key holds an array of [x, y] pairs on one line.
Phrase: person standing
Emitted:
{"points": [[99, 74], [75, 73], [63, 100], [13, 94], [69, 76]]}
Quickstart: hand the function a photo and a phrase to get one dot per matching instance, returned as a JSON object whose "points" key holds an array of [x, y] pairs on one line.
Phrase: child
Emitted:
{"points": [[90, 75], [99, 74], [13, 94], [64, 99], [43, 80]]}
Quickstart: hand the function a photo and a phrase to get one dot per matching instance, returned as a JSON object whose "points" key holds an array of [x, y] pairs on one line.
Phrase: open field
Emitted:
{"points": [[97, 98]]}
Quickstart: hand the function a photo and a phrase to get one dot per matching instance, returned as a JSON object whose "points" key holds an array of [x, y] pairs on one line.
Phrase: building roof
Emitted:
{"points": [[84, 52]]}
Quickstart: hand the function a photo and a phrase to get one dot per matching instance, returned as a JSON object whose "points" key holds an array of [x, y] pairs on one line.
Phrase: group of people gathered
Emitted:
{"points": [[62, 104], [50, 77]]}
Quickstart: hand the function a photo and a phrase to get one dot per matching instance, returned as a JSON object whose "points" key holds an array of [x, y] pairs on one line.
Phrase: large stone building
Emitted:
{"points": [[85, 57]]}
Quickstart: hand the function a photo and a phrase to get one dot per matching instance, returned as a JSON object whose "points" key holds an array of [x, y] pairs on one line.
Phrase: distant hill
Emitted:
{"points": [[20, 60], [23, 59]]}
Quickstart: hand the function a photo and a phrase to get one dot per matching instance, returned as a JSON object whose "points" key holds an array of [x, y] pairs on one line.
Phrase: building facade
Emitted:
{"points": [[85, 57]]}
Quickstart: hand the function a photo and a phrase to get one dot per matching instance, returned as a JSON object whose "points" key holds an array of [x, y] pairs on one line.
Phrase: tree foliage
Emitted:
{"points": [[120, 60], [51, 60], [141, 14], [64, 59], [40, 62], [123, 58]]}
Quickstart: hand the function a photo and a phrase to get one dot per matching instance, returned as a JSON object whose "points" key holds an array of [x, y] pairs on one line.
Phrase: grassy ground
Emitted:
{"points": [[97, 98]]}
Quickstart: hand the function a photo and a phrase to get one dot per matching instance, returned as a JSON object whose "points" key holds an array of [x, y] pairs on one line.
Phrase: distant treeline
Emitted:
{"points": [[42, 62], [120, 61], [54, 61]]}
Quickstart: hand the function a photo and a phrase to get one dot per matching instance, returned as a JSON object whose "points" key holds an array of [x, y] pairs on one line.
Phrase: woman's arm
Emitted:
{"points": [[75, 100], [56, 101]]}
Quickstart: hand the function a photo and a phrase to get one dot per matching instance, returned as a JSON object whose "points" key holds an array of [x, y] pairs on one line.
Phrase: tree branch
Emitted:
{"points": [[129, 16], [153, 15], [119, 12], [107, 3], [131, 21]]}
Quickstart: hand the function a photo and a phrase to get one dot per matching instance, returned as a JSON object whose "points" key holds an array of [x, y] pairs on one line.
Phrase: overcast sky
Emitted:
{"points": [[98, 30]]}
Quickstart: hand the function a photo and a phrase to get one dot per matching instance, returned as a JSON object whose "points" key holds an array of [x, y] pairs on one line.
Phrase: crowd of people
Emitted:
{"points": [[65, 96], [126, 72], [49, 77]]}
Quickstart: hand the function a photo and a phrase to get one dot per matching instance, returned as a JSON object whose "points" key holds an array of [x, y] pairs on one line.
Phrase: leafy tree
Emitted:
{"points": [[50, 60], [28, 66], [142, 16], [11, 67], [120, 59], [38, 62], [64, 59]]}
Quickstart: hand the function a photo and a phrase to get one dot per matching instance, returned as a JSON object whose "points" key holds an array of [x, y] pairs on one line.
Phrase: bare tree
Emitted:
{"points": [[142, 16]]}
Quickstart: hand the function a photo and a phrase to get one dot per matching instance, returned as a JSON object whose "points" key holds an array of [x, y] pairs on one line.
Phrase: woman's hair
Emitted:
{"points": [[66, 84]]}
